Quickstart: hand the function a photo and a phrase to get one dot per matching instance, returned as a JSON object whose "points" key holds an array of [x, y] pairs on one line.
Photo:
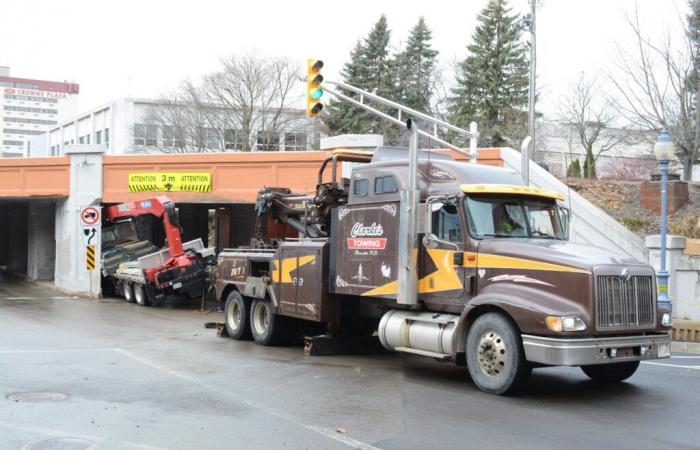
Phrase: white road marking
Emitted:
{"points": [[685, 357], [51, 433], [35, 298], [66, 350], [671, 365], [282, 415]]}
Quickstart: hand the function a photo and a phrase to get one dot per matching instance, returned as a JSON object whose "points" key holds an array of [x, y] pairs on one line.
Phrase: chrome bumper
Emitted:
{"points": [[587, 351]]}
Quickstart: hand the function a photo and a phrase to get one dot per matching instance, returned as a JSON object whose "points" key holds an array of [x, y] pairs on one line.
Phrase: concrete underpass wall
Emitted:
{"points": [[41, 241]]}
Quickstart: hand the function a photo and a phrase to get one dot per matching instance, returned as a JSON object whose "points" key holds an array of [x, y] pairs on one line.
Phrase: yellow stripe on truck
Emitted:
{"points": [[445, 278], [288, 265]]}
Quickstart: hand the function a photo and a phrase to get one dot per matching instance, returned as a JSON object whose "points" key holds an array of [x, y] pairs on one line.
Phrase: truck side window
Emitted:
{"points": [[385, 185], [446, 224], [360, 187]]}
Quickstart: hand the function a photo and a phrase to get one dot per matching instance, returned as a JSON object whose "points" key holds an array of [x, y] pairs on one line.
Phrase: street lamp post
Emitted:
{"points": [[663, 150]]}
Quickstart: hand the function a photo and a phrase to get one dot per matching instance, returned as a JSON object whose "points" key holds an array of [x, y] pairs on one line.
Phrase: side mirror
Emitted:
{"points": [[565, 221], [430, 240]]}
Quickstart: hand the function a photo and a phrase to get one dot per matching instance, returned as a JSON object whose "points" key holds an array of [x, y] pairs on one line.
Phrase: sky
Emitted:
{"points": [[141, 48]]}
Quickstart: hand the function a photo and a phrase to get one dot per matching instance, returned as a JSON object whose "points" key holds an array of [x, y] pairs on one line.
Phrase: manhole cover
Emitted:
{"points": [[37, 397], [59, 444]]}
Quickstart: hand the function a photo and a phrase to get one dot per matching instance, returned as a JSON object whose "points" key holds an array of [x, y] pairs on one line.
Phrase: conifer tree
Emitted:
{"points": [[370, 68], [493, 80], [414, 69]]}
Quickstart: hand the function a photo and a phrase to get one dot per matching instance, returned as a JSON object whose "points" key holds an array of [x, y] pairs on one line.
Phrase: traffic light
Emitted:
{"points": [[314, 92]]}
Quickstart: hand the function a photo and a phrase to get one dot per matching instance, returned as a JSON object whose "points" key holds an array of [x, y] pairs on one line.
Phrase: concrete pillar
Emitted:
{"points": [[41, 241], [71, 273], [674, 251]]}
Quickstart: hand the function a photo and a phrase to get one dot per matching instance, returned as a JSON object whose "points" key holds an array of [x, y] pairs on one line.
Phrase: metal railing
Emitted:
{"points": [[404, 112]]}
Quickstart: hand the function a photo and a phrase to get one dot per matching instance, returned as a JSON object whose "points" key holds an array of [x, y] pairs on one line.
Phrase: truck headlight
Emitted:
{"points": [[565, 323], [666, 320]]}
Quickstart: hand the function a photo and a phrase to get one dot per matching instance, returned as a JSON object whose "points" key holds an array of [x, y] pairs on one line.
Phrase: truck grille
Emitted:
{"points": [[625, 302]]}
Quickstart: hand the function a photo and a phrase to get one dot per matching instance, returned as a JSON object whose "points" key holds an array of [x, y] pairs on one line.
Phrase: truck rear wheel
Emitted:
{"points": [[140, 295], [495, 355], [128, 289], [237, 316], [267, 328], [611, 373]]}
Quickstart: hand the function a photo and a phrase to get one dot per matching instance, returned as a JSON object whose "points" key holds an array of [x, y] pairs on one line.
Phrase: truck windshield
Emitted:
{"points": [[509, 217]]}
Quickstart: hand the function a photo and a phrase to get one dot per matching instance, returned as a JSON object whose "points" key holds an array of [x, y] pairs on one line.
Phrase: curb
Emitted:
{"points": [[685, 347]]}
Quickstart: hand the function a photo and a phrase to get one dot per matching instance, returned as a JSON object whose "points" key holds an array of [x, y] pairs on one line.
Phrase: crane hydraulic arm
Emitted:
{"points": [[161, 207]]}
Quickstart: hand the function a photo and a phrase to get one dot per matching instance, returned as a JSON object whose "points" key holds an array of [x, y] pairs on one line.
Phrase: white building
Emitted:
{"points": [[123, 126], [30, 107]]}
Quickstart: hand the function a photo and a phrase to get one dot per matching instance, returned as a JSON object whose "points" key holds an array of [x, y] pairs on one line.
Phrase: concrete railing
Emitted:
{"points": [[590, 225]]}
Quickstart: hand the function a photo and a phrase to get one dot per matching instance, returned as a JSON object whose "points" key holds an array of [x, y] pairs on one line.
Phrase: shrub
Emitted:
{"points": [[634, 223], [687, 225], [574, 170]]}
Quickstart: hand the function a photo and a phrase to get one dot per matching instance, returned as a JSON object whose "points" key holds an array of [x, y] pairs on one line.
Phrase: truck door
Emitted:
{"points": [[442, 276]]}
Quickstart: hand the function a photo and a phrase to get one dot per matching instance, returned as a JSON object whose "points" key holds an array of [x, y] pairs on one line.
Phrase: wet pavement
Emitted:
{"points": [[78, 373]]}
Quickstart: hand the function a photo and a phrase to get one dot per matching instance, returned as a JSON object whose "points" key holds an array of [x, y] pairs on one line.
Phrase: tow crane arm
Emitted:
{"points": [[307, 213]]}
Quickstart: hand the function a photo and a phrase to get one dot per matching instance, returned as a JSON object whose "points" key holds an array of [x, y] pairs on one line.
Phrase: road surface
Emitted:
{"points": [[78, 373]]}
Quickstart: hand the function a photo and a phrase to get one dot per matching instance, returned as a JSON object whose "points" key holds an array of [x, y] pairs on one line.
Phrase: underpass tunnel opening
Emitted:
{"points": [[28, 238]]}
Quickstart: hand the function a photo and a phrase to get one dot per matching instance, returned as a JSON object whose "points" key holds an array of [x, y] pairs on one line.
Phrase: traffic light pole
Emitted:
{"points": [[404, 113]]}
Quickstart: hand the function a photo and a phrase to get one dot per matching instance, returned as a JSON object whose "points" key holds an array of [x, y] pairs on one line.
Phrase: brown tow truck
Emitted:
{"points": [[496, 285]]}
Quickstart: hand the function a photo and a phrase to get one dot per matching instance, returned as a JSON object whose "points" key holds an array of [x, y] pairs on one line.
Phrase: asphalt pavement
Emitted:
{"points": [[77, 373]]}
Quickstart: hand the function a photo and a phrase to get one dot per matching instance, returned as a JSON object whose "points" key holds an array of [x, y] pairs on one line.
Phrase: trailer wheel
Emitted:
{"points": [[495, 355], [611, 373], [237, 316], [140, 295], [267, 328], [128, 289]]}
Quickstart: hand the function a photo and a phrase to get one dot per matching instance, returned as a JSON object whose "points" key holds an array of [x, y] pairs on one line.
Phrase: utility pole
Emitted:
{"points": [[533, 74]]}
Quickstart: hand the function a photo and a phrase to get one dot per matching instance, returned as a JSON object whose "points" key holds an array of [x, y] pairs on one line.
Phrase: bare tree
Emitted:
{"points": [[657, 84], [593, 117], [244, 106]]}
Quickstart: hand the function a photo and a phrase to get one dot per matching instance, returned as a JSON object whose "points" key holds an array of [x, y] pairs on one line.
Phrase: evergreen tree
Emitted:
{"points": [[493, 79], [370, 68], [414, 69]]}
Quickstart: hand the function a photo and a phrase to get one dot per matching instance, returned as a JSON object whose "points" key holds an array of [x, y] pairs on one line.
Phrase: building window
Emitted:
{"points": [[170, 138], [267, 141], [107, 137], [385, 185], [30, 98], [360, 187], [32, 121], [145, 135], [213, 139], [23, 132], [87, 139], [28, 109], [8, 142], [295, 140], [98, 137], [234, 140], [81, 140]]}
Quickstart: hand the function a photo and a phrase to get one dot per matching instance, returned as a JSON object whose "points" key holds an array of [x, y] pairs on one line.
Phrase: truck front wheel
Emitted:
{"points": [[495, 355], [267, 328], [611, 373], [237, 316], [128, 289]]}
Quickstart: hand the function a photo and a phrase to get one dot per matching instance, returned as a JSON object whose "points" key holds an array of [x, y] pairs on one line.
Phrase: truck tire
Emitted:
{"points": [[611, 373], [128, 289], [267, 328], [237, 316], [140, 295], [495, 355]]}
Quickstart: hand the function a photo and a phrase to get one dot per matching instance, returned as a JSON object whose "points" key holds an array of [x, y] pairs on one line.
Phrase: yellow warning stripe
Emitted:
{"points": [[288, 265], [445, 278]]}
